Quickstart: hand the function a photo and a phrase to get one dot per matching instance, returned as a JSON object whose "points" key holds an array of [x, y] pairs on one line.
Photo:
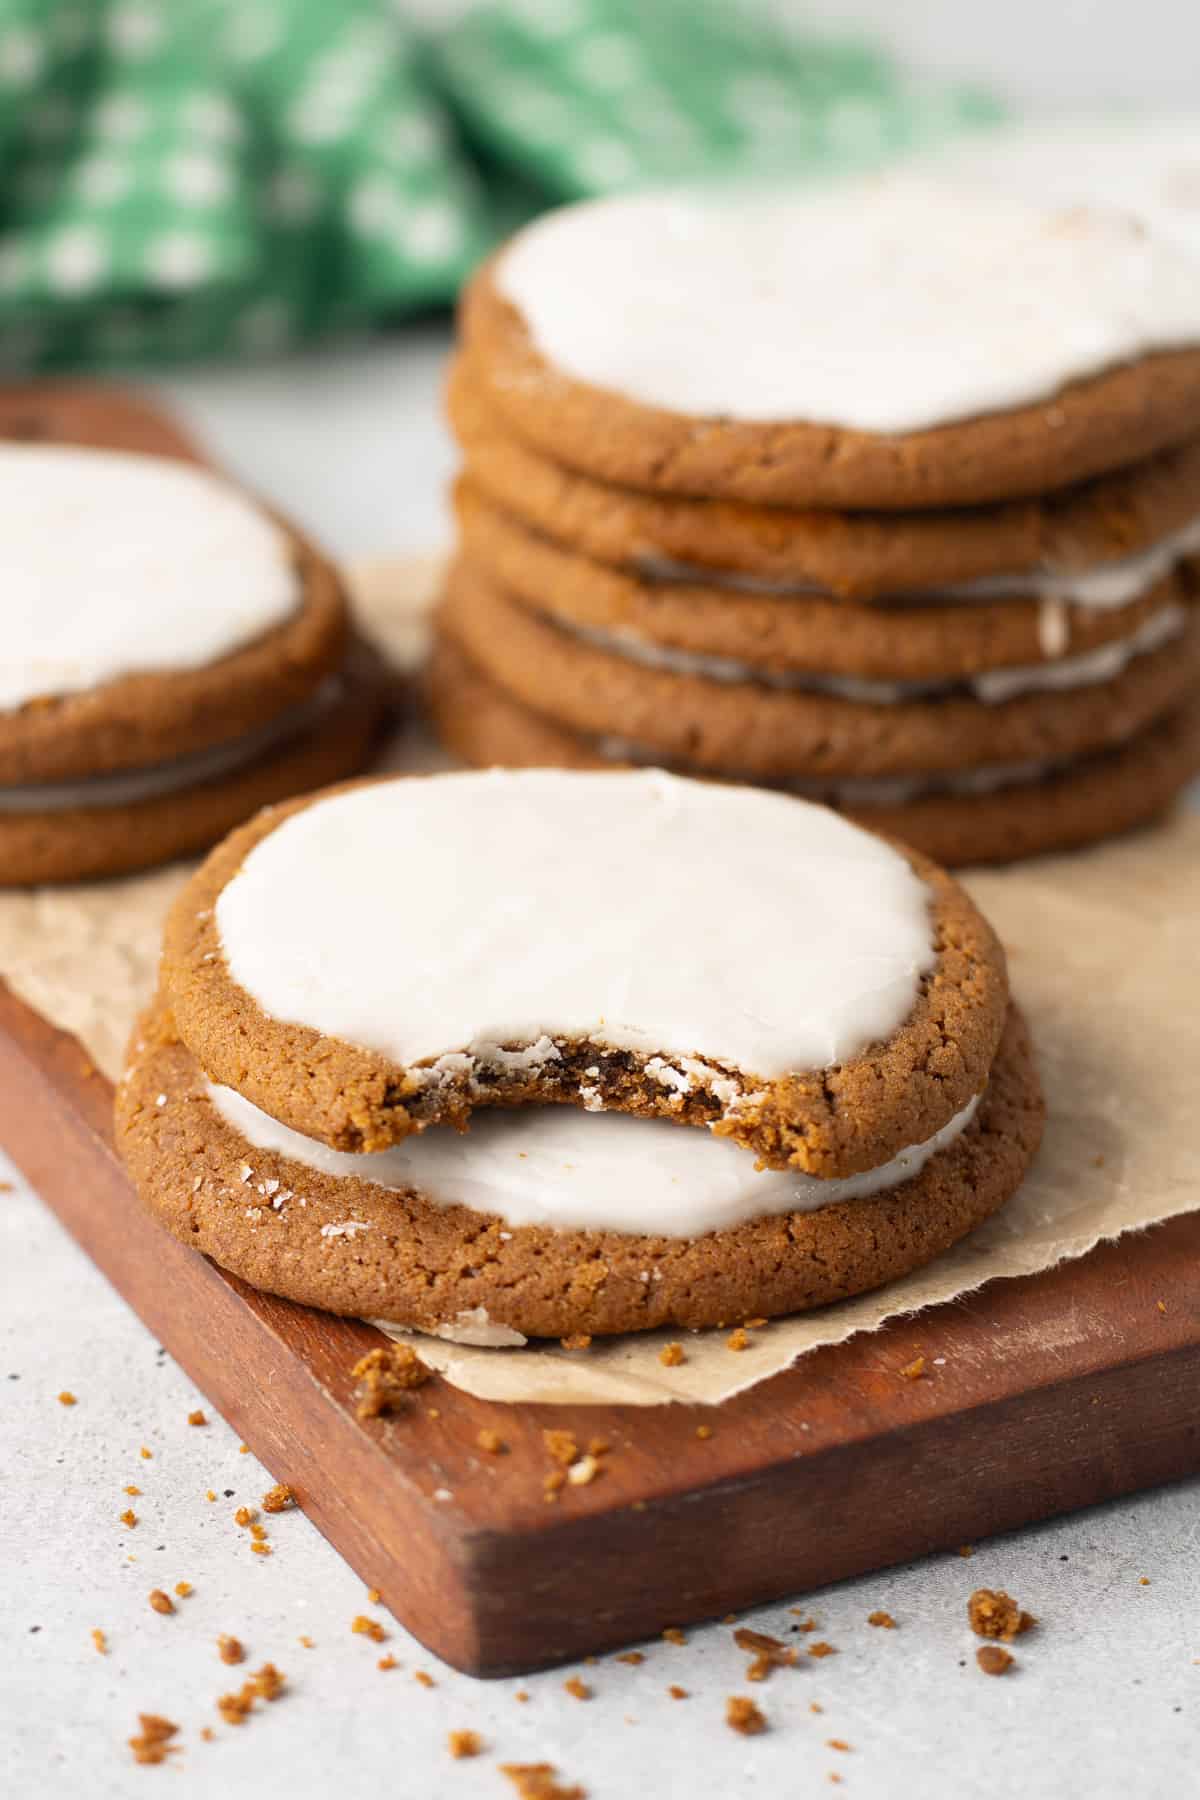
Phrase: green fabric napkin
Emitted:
{"points": [[190, 177]]}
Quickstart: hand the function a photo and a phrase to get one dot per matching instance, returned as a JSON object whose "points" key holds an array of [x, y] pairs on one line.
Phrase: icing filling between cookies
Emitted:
{"points": [[114, 564], [133, 786], [883, 305], [993, 686], [574, 1170], [760, 936], [1104, 586], [876, 790]]}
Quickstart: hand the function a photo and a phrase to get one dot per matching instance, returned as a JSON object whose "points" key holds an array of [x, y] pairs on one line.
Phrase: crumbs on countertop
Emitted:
{"points": [[742, 1715]]}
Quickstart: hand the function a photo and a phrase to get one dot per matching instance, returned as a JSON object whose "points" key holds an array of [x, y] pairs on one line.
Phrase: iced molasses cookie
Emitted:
{"points": [[543, 1221], [173, 657], [899, 342], [1002, 815], [400, 953], [744, 634], [1106, 539], [113, 825], [774, 731]]}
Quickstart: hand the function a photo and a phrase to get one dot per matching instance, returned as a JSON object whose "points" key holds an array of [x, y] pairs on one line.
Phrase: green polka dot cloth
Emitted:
{"points": [[198, 177]]}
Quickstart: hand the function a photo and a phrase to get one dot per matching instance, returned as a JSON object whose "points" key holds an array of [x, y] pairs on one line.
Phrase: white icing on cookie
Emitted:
{"points": [[992, 686], [573, 1170], [450, 914], [878, 790], [1104, 586], [113, 564], [1149, 167], [131, 786], [888, 304]]}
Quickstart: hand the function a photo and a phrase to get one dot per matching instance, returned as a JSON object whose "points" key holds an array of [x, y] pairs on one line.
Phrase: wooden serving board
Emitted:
{"points": [[832, 1469], [1056, 1391]]}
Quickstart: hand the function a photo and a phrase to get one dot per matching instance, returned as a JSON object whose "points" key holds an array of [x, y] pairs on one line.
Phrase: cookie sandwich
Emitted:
{"points": [[542, 1052], [886, 495], [174, 658]]}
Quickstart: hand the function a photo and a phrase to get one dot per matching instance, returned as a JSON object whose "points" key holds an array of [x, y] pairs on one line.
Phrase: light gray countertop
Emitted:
{"points": [[1106, 1701]]}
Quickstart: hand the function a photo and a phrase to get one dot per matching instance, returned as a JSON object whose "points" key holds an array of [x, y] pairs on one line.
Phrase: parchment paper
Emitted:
{"points": [[1104, 960]]}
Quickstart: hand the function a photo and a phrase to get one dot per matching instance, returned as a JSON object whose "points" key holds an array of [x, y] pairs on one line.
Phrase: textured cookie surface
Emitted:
{"points": [[355, 1247], [896, 344], [86, 842], [794, 632], [822, 1001], [774, 733], [1094, 798], [856, 555], [137, 720]]}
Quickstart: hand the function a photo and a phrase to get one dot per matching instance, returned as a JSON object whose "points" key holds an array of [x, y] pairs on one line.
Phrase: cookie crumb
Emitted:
{"points": [[553, 1484], [374, 1596], [229, 1649], [768, 1652], [914, 1370], [67, 1398], [561, 1446], [965, 1550], [243, 1449], [521, 1695], [147, 1455], [539, 1781], [129, 1517], [704, 1432], [991, 1613], [465, 1743], [160, 1602], [673, 1635], [814, 1706], [671, 1355], [210, 1495], [244, 1516], [1160, 1304], [822, 1649], [584, 1471], [131, 1488], [884, 1620], [579, 1340], [307, 1642], [260, 1548], [743, 1716], [491, 1441], [278, 1499], [265, 1684], [1143, 1581], [632, 1657], [425, 1680], [183, 1589], [152, 1744], [100, 1640], [737, 1340], [993, 1660], [838, 1744], [578, 1688], [197, 1418], [387, 1662], [678, 1693], [385, 1376], [370, 1628]]}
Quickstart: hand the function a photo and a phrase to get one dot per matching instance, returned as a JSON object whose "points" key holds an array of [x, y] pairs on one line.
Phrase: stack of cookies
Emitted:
{"points": [[883, 494], [698, 1089], [173, 659]]}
